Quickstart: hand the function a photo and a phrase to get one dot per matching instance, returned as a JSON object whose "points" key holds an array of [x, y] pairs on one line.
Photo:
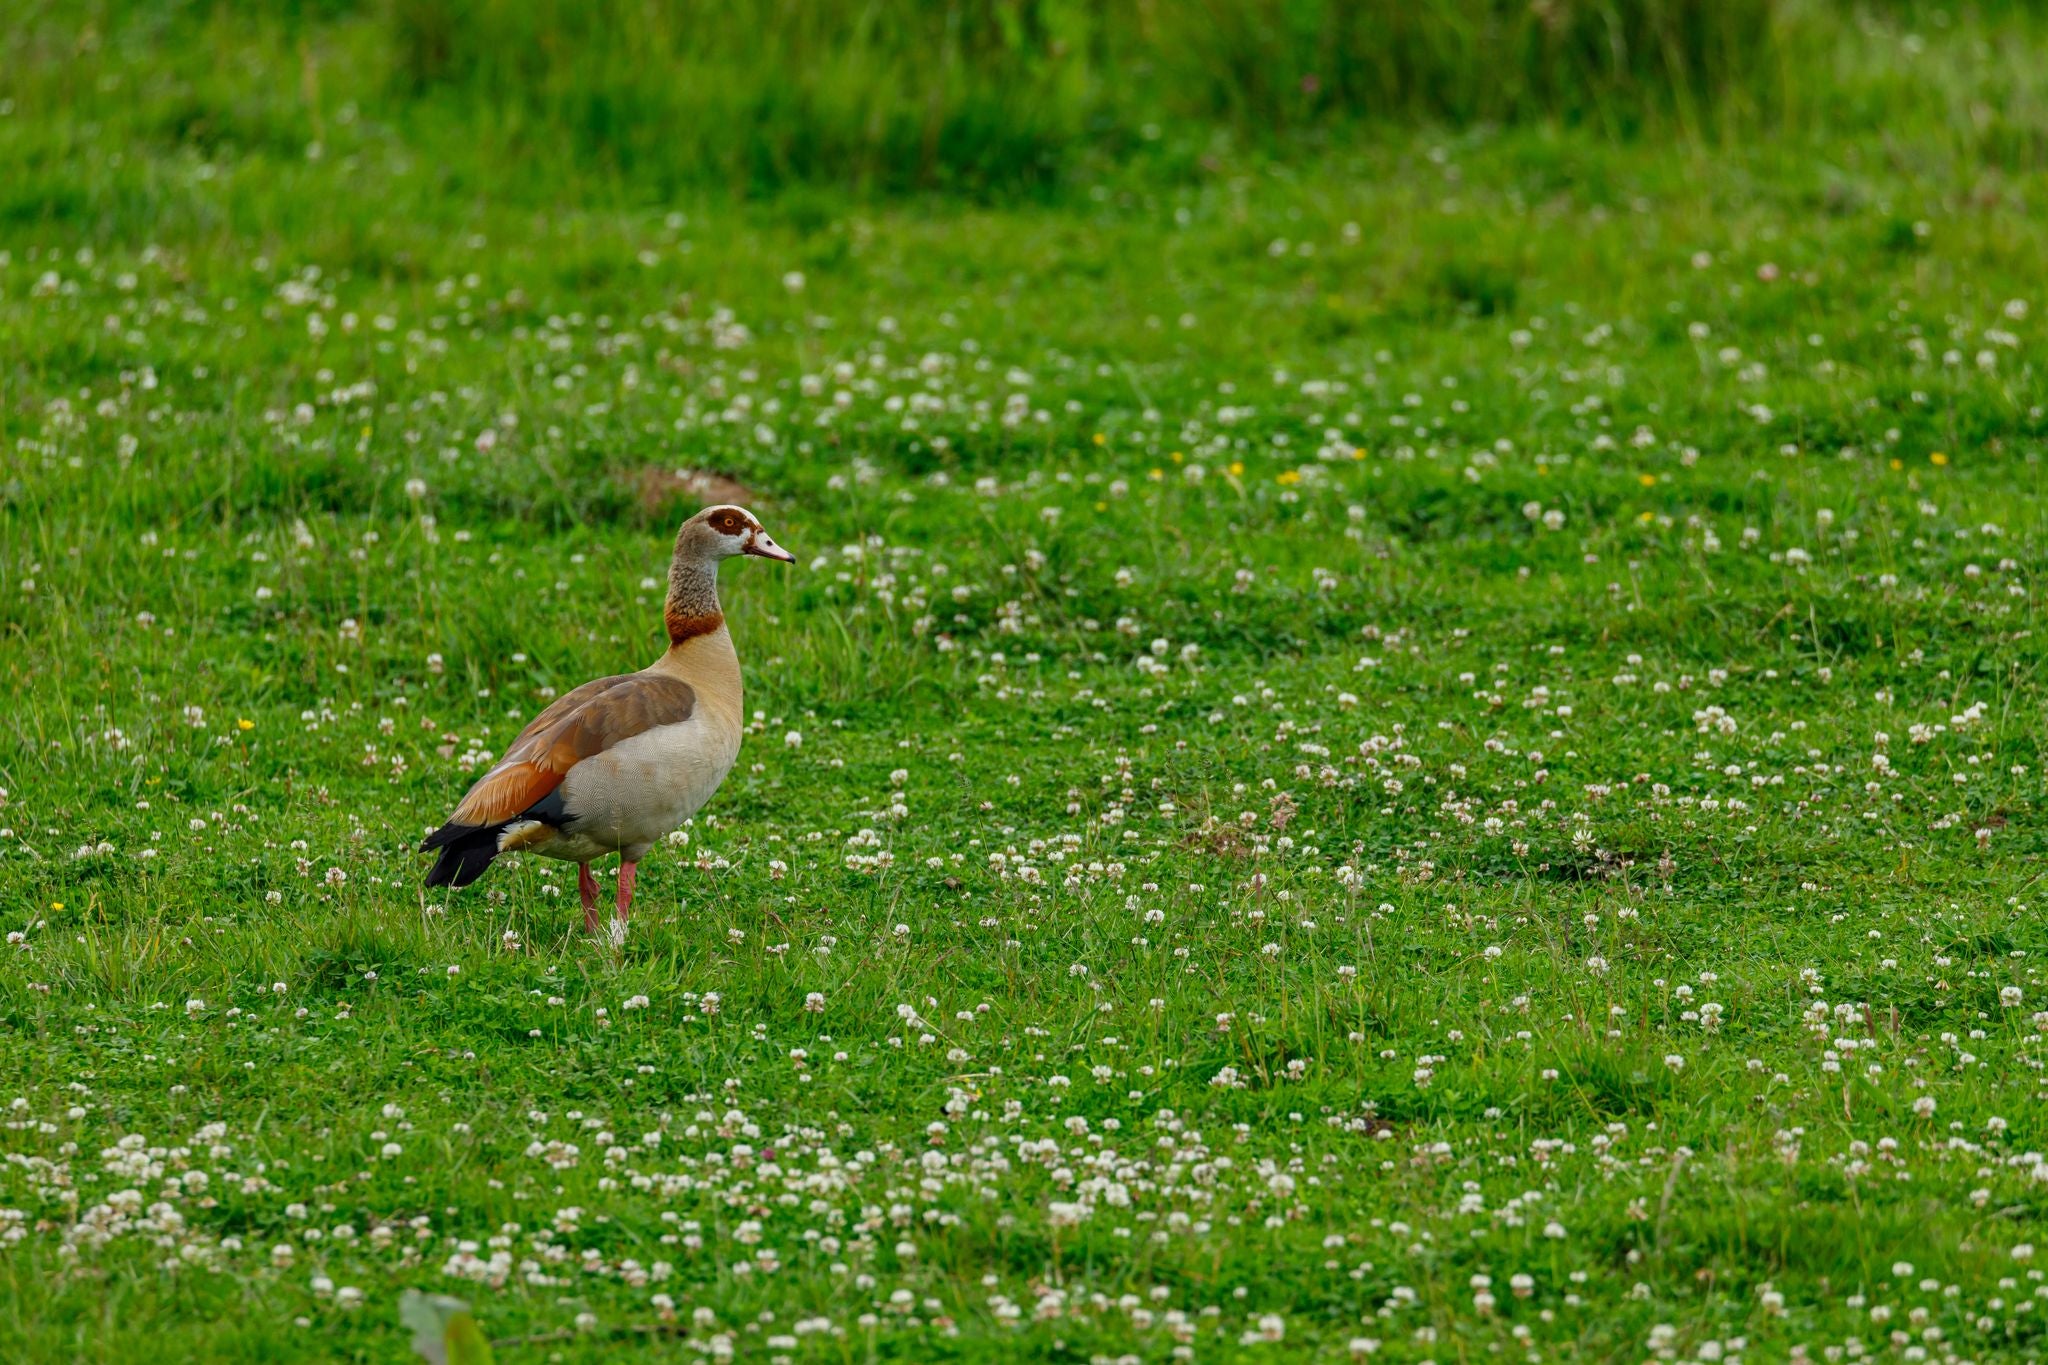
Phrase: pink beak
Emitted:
{"points": [[763, 545]]}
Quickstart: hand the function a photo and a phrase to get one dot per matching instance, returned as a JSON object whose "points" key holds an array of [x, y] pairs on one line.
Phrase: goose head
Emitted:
{"points": [[724, 531]]}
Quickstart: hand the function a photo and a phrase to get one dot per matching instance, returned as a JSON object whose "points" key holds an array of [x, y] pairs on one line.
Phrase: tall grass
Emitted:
{"points": [[661, 98], [896, 94]]}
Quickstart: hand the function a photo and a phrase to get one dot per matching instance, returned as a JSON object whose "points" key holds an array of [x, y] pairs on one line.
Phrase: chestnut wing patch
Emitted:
{"points": [[587, 721]]}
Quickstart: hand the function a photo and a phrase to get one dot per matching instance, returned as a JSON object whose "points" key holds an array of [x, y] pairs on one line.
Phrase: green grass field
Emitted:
{"points": [[1403, 740]]}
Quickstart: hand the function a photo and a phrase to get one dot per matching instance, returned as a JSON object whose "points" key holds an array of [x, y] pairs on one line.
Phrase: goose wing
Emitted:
{"points": [[578, 724]]}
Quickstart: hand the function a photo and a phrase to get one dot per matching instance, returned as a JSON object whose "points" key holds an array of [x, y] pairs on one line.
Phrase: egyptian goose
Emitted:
{"points": [[616, 764]]}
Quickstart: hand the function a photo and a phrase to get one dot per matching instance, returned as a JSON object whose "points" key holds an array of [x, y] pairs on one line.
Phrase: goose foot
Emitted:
{"points": [[629, 872]]}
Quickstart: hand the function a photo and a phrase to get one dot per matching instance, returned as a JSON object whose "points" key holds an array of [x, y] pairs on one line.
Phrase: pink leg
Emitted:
{"points": [[628, 873], [587, 884]]}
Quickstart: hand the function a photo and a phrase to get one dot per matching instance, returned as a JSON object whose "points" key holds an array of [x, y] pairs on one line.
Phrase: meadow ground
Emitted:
{"points": [[1427, 751]]}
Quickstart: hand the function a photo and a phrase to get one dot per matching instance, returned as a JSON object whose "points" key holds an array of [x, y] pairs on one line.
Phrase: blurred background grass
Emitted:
{"points": [[992, 99]]}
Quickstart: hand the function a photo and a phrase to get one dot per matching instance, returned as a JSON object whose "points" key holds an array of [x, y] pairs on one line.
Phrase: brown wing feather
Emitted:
{"points": [[586, 721]]}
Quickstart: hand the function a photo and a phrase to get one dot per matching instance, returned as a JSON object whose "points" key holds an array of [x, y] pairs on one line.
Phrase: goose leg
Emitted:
{"points": [[587, 884], [629, 870]]}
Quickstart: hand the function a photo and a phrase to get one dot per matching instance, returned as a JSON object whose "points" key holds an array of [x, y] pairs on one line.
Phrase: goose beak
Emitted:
{"points": [[762, 544]]}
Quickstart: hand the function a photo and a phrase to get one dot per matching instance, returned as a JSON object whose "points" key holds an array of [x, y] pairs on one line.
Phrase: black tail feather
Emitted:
{"points": [[466, 850]]}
